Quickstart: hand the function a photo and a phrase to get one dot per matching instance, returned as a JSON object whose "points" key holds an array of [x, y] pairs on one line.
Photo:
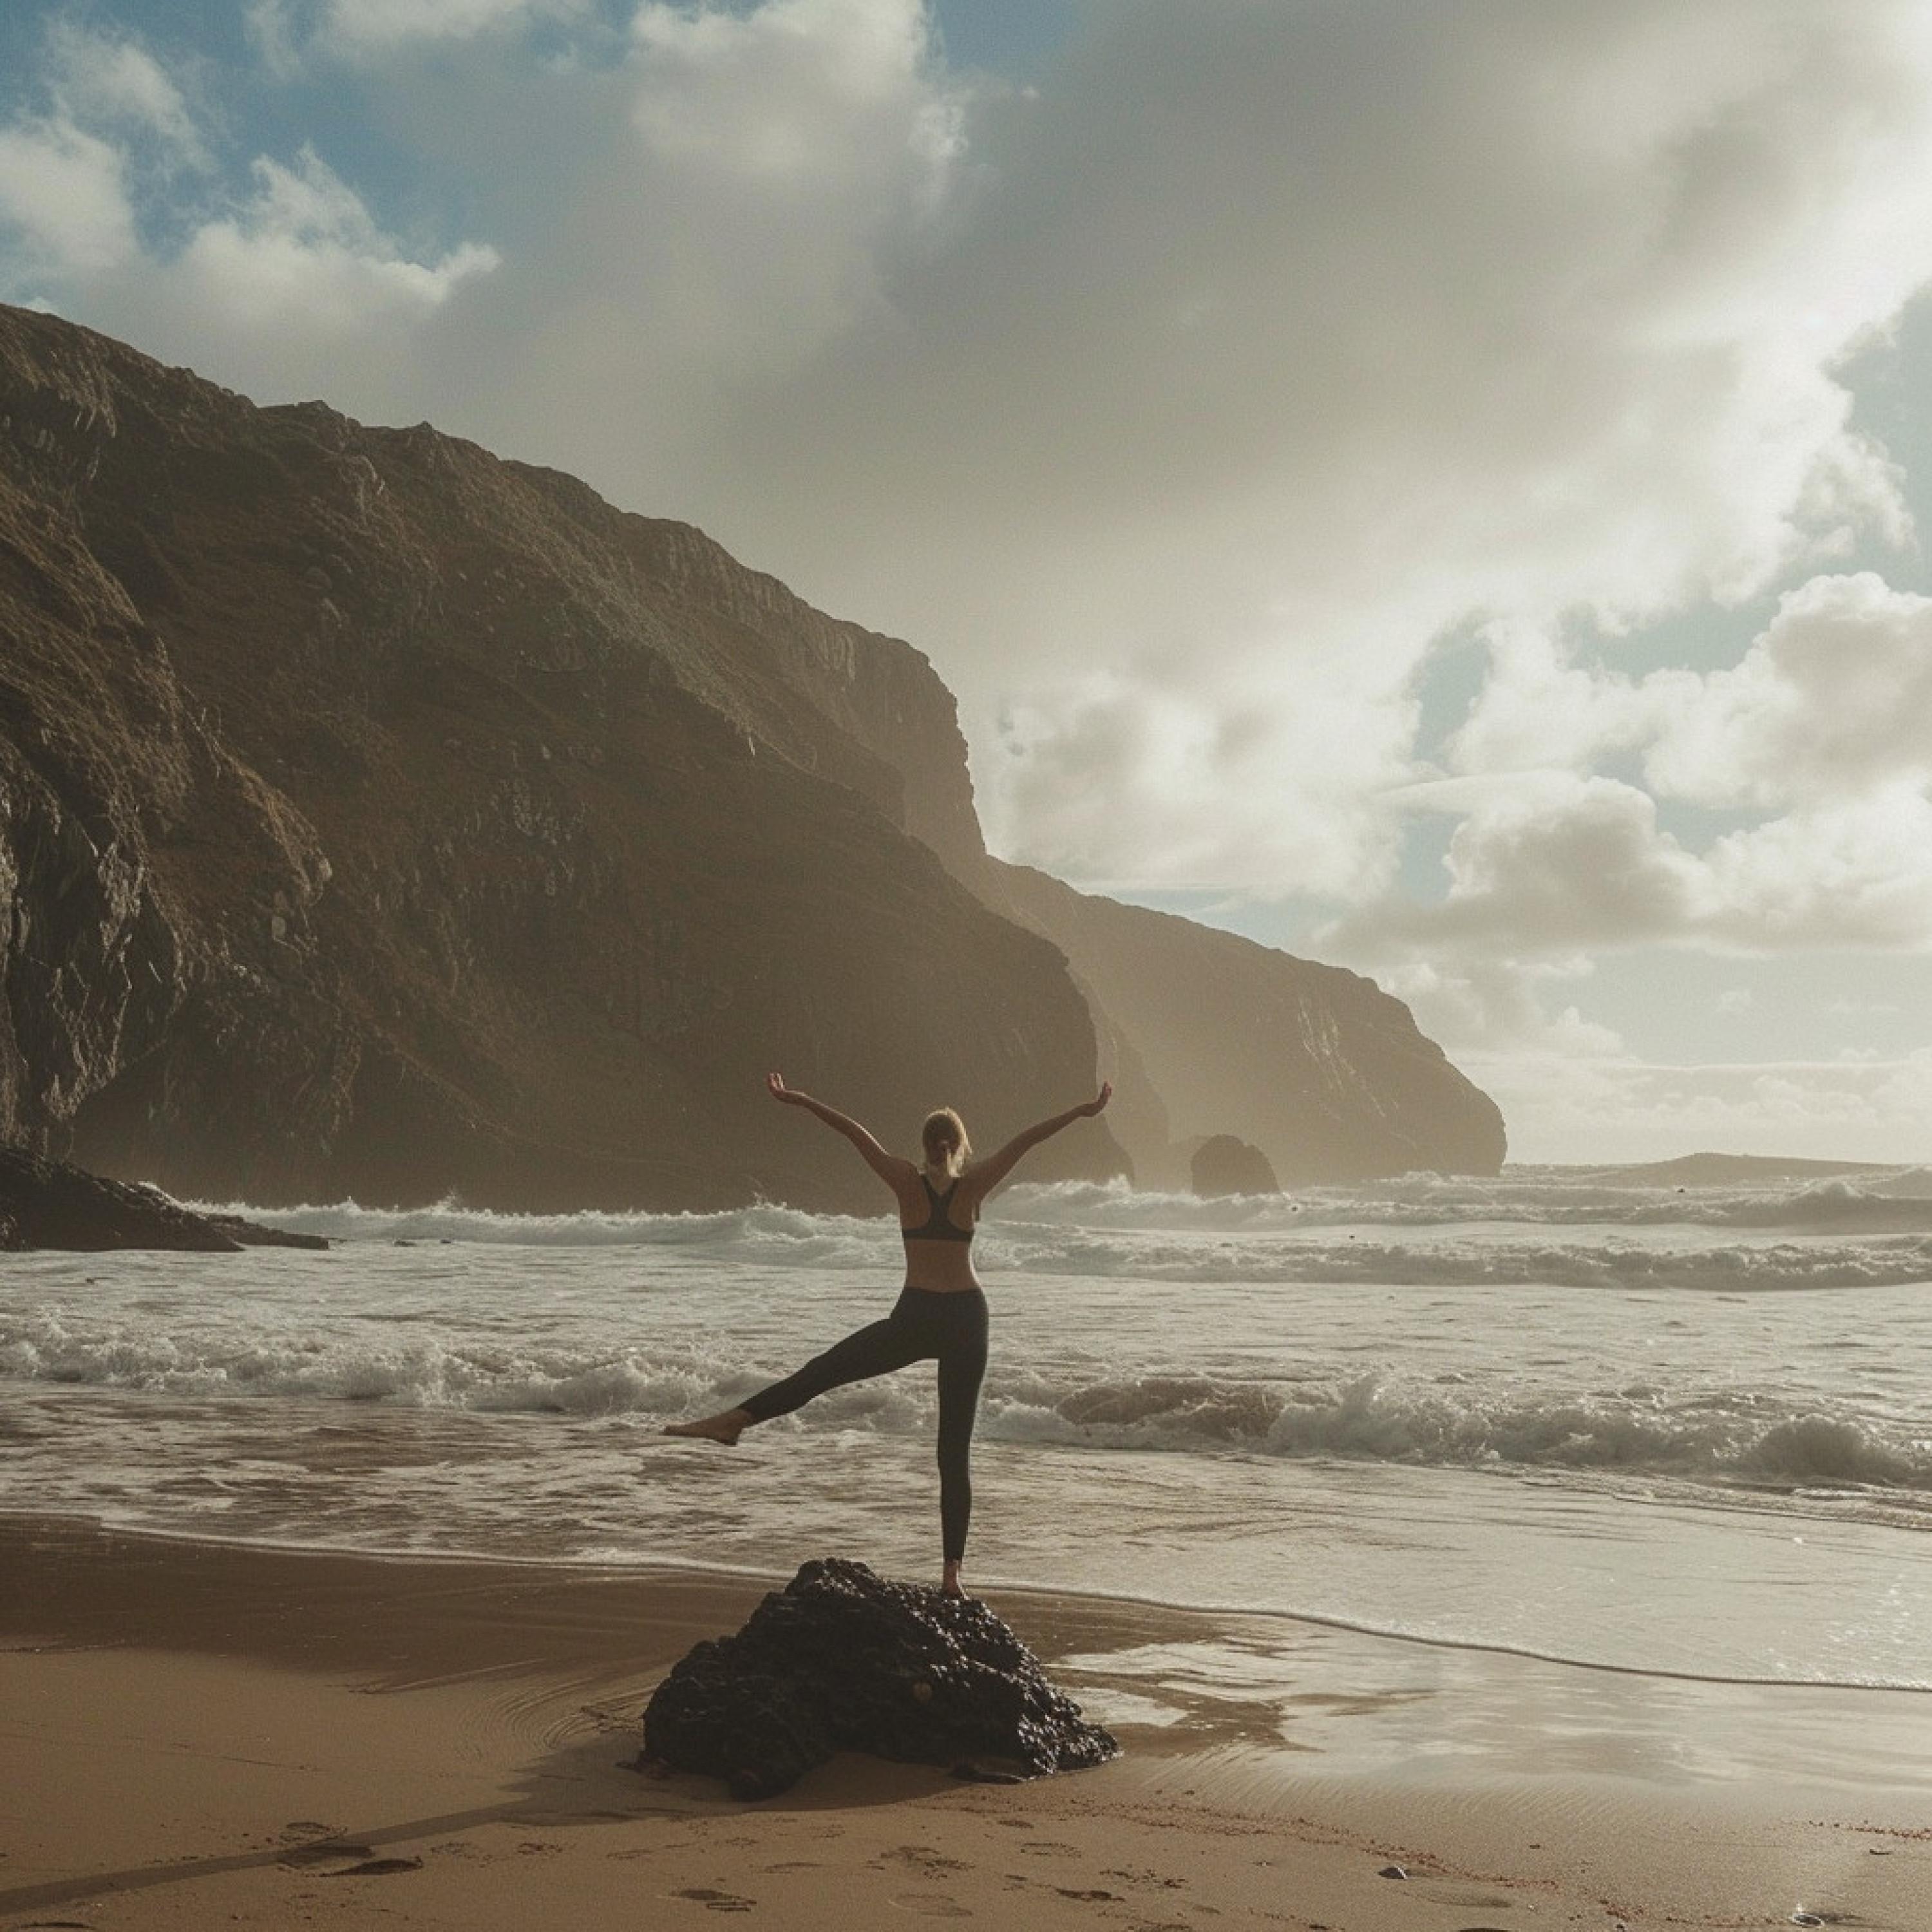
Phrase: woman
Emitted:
{"points": [[941, 1311]]}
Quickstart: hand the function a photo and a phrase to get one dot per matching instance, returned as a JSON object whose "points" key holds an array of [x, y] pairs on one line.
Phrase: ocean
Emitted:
{"points": [[1685, 1433]]}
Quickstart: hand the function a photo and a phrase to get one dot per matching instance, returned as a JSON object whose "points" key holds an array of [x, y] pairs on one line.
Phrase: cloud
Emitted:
{"points": [[64, 193], [1245, 354], [272, 283], [1851, 875], [1179, 404], [1549, 862], [780, 157], [1346, 324], [1230, 364], [1544, 863], [383, 23], [1096, 765], [96, 79], [1821, 732], [286, 33], [303, 255], [1495, 1003], [1615, 1109], [1834, 698], [68, 172]]}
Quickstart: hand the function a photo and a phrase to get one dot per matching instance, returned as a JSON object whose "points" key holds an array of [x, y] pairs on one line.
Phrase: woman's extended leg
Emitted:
{"points": [[876, 1349]]}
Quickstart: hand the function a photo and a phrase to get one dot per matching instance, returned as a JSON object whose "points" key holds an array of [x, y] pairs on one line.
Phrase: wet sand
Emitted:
{"points": [[198, 1734]]}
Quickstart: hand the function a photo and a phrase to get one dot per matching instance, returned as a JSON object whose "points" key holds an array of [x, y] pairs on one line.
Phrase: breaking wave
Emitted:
{"points": [[1701, 1439], [1082, 1229], [767, 1232], [1696, 1434], [1896, 1201], [1737, 1267], [1891, 1201]]}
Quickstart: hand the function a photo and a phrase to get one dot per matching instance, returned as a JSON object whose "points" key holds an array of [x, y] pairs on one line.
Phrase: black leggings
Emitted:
{"points": [[926, 1324]]}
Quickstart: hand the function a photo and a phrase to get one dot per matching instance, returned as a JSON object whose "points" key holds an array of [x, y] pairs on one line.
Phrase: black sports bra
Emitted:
{"points": [[936, 1227]]}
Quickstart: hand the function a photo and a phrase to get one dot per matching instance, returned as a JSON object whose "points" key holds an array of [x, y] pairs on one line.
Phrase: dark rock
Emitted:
{"points": [[52, 1204], [1224, 1165], [841, 1660]]}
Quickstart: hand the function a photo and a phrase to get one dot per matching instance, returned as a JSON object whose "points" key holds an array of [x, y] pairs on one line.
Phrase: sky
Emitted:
{"points": [[1440, 488]]}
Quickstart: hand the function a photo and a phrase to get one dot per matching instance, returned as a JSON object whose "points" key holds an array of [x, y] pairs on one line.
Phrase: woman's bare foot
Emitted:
{"points": [[949, 1585], [725, 1427]]}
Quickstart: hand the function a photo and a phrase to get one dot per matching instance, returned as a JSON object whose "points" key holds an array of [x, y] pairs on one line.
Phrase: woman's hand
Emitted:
{"points": [[1093, 1106], [889, 1167]]}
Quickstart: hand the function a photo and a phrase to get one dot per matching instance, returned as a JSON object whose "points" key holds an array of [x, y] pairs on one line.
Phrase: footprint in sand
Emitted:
{"points": [[930, 1905], [311, 1828], [924, 1857], [300, 1857], [1134, 1876], [715, 1901]]}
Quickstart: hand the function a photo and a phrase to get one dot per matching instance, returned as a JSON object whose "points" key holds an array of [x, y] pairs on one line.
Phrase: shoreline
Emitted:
{"points": [[728, 1577], [215, 1730]]}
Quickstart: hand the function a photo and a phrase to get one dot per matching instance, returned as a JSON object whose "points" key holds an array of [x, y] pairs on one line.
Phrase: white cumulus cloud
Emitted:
{"points": [[1835, 697], [303, 256], [1821, 733], [97, 78], [269, 286], [64, 194]]}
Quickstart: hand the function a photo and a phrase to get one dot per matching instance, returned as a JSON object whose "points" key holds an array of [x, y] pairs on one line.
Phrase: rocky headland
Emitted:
{"points": [[380, 817], [1324, 1074], [52, 1204]]}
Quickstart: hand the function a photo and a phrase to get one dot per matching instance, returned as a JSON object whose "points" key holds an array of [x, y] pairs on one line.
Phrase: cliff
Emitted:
{"points": [[378, 817], [1319, 1068]]}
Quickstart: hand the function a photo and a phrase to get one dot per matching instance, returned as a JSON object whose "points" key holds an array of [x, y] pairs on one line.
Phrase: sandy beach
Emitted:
{"points": [[198, 1734]]}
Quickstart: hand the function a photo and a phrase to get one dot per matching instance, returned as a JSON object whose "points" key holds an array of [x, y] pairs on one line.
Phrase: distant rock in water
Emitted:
{"points": [[52, 1204], [841, 1660], [1224, 1165]]}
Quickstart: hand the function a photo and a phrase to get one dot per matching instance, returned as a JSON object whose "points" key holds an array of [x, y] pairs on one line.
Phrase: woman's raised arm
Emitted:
{"points": [[894, 1171], [986, 1175]]}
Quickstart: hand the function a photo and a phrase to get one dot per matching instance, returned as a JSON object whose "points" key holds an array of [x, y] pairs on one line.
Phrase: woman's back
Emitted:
{"points": [[939, 1249]]}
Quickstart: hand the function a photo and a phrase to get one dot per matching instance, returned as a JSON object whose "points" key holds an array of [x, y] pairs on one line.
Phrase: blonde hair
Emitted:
{"points": [[944, 1129]]}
